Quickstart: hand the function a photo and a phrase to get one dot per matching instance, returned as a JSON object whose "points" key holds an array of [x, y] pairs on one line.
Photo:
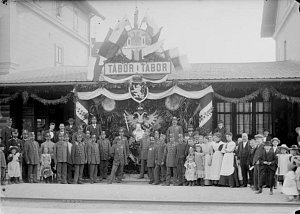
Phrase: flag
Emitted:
{"points": [[205, 114], [152, 48], [172, 53], [156, 36], [82, 111], [115, 39], [152, 28], [181, 63]]}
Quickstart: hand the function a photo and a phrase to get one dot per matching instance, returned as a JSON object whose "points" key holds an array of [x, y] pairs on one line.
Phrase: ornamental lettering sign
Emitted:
{"points": [[138, 91], [137, 68]]}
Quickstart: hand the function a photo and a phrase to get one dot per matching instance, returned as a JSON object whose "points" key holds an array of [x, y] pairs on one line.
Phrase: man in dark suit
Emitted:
{"points": [[62, 130], [257, 158], [6, 134], [222, 130], [94, 128], [267, 137], [71, 128], [243, 156], [268, 167]]}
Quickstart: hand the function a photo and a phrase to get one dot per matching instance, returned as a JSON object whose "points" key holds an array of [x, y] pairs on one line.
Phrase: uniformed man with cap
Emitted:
{"points": [[175, 129]]}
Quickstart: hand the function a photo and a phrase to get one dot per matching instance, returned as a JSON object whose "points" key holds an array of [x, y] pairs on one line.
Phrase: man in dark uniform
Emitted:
{"points": [[144, 146], [175, 130], [6, 134], [182, 151]]}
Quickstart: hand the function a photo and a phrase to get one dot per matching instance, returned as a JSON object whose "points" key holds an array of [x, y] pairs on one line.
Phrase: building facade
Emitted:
{"points": [[41, 37]]}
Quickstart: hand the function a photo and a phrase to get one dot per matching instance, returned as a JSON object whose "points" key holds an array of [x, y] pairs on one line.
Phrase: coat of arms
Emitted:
{"points": [[138, 91]]}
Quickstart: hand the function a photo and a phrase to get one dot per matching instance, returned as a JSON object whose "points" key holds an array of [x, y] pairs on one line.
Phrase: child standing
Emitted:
{"points": [[289, 186], [46, 171], [190, 171], [2, 162], [151, 160], [14, 165], [283, 161], [199, 157]]}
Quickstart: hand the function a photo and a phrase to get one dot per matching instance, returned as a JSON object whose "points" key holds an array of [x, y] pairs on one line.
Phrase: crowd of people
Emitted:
{"points": [[174, 157]]}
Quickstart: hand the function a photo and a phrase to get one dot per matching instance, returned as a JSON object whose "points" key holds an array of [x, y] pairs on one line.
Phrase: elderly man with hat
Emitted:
{"points": [[257, 158], [71, 128], [175, 129]]}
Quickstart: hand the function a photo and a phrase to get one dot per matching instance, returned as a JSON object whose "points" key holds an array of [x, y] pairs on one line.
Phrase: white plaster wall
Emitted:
{"points": [[291, 33]]}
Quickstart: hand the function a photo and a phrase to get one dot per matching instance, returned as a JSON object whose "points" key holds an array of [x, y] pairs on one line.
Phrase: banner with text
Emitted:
{"points": [[137, 68]]}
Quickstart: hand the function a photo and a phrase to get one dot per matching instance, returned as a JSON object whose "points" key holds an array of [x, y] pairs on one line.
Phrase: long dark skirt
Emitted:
{"points": [[231, 180]]}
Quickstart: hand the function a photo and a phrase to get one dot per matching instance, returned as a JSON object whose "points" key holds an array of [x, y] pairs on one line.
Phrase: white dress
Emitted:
{"points": [[216, 161], [227, 167], [283, 161], [289, 186], [207, 150], [14, 166], [190, 171]]}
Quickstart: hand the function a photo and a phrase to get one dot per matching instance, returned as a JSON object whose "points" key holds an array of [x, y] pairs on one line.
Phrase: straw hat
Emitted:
{"points": [[275, 139]]}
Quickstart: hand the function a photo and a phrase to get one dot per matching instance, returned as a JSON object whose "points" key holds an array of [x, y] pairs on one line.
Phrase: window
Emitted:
{"points": [[263, 116], [58, 8], [244, 118], [284, 50], [58, 55], [252, 117], [224, 114], [75, 20]]}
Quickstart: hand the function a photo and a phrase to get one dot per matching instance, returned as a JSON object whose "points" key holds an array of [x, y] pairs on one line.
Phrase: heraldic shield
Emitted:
{"points": [[138, 91]]}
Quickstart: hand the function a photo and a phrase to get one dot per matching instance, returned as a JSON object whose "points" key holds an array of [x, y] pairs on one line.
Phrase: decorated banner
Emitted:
{"points": [[205, 114], [82, 113]]}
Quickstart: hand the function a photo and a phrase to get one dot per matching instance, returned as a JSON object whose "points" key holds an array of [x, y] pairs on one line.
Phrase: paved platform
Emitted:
{"points": [[141, 192]]}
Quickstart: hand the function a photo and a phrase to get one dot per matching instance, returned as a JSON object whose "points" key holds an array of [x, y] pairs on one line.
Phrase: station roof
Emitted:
{"points": [[209, 72]]}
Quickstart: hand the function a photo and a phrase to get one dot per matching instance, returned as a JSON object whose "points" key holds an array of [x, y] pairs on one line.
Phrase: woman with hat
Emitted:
{"points": [[283, 161], [13, 158]]}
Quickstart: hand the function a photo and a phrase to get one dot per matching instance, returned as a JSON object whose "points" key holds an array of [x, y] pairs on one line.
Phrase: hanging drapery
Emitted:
{"points": [[129, 79], [152, 96]]}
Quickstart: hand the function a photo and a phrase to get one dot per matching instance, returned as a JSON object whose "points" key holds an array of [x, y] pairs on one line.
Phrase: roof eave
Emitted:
{"points": [[269, 18]]}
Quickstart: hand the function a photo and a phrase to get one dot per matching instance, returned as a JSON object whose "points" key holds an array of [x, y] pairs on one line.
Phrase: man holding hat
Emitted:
{"points": [[257, 158], [71, 128], [174, 129]]}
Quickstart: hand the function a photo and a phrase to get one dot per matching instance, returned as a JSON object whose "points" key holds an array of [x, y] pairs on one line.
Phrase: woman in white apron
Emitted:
{"points": [[217, 158]]}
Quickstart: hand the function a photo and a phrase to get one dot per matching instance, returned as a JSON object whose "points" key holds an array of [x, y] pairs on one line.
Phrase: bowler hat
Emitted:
{"points": [[294, 147], [13, 147], [275, 139], [267, 143], [284, 146], [14, 131], [258, 136], [174, 118], [297, 129], [220, 121]]}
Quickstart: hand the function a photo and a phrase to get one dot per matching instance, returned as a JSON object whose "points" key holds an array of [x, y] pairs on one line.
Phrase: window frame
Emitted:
{"points": [[57, 63]]}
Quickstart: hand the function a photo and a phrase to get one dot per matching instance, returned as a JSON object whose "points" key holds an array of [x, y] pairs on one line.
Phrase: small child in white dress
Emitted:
{"points": [[289, 187], [13, 166], [190, 171]]}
